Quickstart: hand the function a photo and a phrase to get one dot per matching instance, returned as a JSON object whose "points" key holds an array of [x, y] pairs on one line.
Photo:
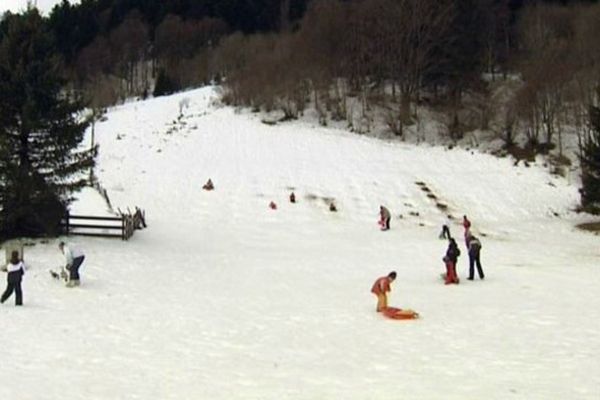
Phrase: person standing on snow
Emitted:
{"points": [[474, 253], [380, 289], [15, 269], [74, 258], [450, 259], [385, 218], [445, 233], [467, 226]]}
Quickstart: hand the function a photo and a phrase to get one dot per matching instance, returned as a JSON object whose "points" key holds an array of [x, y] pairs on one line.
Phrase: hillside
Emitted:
{"points": [[224, 298]]}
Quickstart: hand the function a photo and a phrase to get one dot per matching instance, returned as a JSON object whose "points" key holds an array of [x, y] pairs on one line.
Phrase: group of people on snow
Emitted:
{"points": [[382, 285], [15, 269], [473, 245]]}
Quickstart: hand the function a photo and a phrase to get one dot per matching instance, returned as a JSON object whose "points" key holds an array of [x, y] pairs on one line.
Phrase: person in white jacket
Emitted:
{"points": [[74, 258], [445, 233], [15, 269]]}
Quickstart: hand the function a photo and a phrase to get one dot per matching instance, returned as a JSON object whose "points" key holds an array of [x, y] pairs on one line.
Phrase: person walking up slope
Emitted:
{"points": [[474, 254], [445, 233], [74, 258], [15, 269], [380, 289], [384, 218], [467, 226]]}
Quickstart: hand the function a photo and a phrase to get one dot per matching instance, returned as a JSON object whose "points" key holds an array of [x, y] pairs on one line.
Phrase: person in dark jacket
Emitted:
{"points": [[474, 254], [450, 259], [208, 185], [15, 269]]}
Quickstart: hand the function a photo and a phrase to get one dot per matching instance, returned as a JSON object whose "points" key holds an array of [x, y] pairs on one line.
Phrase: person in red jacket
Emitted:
{"points": [[450, 259], [467, 226], [380, 289], [466, 223]]}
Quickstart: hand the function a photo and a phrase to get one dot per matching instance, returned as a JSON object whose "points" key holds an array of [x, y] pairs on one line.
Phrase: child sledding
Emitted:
{"points": [[209, 185], [380, 289]]}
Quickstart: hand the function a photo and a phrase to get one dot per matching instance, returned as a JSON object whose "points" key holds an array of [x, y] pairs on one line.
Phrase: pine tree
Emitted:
{"points": [[590, 164], [40, 130]]}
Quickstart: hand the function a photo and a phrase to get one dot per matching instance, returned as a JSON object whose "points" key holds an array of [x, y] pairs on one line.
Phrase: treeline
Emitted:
{"points": [[399, 54], [112, 49], [274, 52]]}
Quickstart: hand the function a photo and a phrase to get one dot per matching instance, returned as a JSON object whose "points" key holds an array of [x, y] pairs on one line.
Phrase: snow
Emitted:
{"points": [[224, 298]]}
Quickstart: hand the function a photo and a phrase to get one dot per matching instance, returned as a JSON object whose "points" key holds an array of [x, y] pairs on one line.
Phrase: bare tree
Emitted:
{"points": [[398, 41], [93, 61], [321, 39], [177, 40], [547, 34], [129, 44]]}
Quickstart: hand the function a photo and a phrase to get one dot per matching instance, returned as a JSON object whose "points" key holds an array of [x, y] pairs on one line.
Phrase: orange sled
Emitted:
{"points": [[398, 313]]}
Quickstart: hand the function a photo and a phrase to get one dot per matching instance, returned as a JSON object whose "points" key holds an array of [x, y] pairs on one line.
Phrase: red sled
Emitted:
{"points": [[398, 313]]}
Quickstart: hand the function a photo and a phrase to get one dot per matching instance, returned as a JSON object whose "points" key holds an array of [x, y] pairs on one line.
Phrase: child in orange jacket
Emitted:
{"points": [[380, 289]]}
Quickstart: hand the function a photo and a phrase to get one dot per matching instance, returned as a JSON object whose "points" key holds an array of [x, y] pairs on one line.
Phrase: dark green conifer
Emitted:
{"points": [[590, 164], [40, 130]]}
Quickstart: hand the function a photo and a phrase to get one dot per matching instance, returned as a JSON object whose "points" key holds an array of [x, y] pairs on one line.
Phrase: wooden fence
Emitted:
{"points": [[122, 226]]}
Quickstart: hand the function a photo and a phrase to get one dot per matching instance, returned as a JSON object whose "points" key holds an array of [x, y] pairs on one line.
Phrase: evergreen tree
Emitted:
{"points": [[590, 164], [39, 131]]}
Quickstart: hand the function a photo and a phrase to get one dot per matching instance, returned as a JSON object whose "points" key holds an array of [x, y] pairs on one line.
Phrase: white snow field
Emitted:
{"points": [[224, 298]]}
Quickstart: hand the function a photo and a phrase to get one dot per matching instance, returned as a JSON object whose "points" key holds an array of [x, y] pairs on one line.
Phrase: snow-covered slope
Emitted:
{"points": [[224, 298]]}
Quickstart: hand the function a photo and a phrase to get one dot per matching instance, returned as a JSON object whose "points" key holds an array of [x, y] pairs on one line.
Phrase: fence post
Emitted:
{"points": [[122, 227], [67, 222]]}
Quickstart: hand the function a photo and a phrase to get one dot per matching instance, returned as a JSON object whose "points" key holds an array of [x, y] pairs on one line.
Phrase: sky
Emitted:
{"points": [[221, 297], [45, 6]]}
